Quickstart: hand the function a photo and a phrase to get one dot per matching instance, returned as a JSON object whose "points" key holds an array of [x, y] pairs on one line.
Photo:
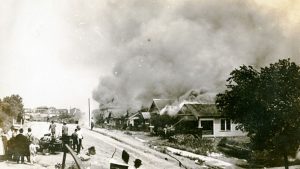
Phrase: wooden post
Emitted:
{"points": [[64, 160], [67, 148], [89, 113]]}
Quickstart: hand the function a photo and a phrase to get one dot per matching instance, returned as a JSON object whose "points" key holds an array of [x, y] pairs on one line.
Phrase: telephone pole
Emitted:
{"points": [[89, 113]]}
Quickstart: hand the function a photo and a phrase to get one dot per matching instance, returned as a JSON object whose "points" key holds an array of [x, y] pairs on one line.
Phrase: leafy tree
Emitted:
{"points": [[266, 104], [10, 107], [15, 105]]}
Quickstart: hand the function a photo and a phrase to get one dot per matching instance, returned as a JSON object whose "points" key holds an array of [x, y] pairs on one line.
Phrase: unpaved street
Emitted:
{"points": [[105, 147]]}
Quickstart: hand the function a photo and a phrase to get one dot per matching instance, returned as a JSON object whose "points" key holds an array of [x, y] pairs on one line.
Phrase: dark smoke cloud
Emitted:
{"points": [[164, 49]]}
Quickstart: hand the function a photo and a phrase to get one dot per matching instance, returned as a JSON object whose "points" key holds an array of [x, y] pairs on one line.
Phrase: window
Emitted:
{"points": [[225, 124], [228, 125], [222, 124], [207, 127]]}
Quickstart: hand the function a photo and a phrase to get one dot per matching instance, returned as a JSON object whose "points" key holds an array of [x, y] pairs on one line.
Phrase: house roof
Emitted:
{"points": [[161, 103], [146, 115], [200, 110], [115, 113], [133, 116]]}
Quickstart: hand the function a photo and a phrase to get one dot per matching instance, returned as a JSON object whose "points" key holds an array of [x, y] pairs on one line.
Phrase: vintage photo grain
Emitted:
{"points": [[149, 84]]}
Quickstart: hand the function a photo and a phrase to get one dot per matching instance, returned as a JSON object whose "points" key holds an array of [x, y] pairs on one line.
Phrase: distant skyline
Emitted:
{"points": [[57, 53]]}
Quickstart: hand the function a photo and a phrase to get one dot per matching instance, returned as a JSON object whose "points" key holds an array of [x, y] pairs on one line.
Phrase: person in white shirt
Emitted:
{"points": [[30, 139], [2, 147], [10, 133], [32, 150], [80, 137]]}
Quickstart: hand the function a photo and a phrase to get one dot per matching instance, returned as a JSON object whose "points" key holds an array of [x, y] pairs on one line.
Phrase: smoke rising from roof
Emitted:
{"points": [[164, 49]]}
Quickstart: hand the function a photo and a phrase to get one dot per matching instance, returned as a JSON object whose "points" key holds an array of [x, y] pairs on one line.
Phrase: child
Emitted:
{"points": [[32, 149]]}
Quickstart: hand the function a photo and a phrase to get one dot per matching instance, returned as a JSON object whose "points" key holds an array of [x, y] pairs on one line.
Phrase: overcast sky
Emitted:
{"points": [[58, 52]]}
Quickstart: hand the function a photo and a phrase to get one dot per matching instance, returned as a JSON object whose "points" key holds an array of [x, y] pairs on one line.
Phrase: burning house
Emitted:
{"points": [[208, 119], [158, 104], [114, 116], [139, 120]]}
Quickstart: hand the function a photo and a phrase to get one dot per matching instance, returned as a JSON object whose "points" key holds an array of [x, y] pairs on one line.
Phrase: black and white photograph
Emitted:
{"points": [[149, 84]]}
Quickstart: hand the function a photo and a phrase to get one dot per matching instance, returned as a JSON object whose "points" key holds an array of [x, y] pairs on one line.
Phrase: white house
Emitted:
{"points": [[212, 122]]}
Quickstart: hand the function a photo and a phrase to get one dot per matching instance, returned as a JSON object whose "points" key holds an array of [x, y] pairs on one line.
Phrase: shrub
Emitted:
{"points": [[191, 143], [265, 158], [234, 147], [128, 133]]}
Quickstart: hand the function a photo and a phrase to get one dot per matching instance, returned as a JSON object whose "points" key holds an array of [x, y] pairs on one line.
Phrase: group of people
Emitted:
{"points": [[18, 145], [77, 140], [76, 136]]}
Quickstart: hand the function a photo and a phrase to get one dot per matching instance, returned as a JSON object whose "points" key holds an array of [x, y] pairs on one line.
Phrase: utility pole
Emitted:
{"points": [[89, 113]]}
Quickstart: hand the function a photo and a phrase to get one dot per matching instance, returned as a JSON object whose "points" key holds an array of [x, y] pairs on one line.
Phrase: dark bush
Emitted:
{"points": [[191, 143], [234, 147], [161, 121]]}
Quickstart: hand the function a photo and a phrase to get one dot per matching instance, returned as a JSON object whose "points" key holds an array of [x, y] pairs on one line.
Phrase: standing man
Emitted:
{"points": [[64, 132], [75, 139], [92, 123], [64, 129], [29, 135], [80, 137], [21, 146], [30, 139], [52, 128]]}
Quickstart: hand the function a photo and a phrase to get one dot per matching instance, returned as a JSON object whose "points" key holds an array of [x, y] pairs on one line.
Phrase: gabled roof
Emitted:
{"points": [[161, 103], [134, 115], [115, 113], [146, 115], [200, 110]]}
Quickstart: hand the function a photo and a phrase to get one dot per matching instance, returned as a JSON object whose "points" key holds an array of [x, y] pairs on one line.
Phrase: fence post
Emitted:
{"points": [[64, 160]]}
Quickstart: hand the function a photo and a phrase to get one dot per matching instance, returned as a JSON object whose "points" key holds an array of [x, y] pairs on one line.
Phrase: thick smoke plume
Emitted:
{"points": [[164, 49], [190, 97]]}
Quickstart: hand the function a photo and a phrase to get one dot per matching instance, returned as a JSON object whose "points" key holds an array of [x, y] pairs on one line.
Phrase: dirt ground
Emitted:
{"points": [[107, 143], [42, 161]]}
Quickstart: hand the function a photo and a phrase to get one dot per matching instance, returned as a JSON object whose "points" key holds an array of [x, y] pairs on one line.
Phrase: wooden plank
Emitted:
{"points": [[75, 157]]}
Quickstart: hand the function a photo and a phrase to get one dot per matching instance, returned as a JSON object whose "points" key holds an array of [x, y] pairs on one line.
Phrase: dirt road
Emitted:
{"points": [[105, 147]]}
